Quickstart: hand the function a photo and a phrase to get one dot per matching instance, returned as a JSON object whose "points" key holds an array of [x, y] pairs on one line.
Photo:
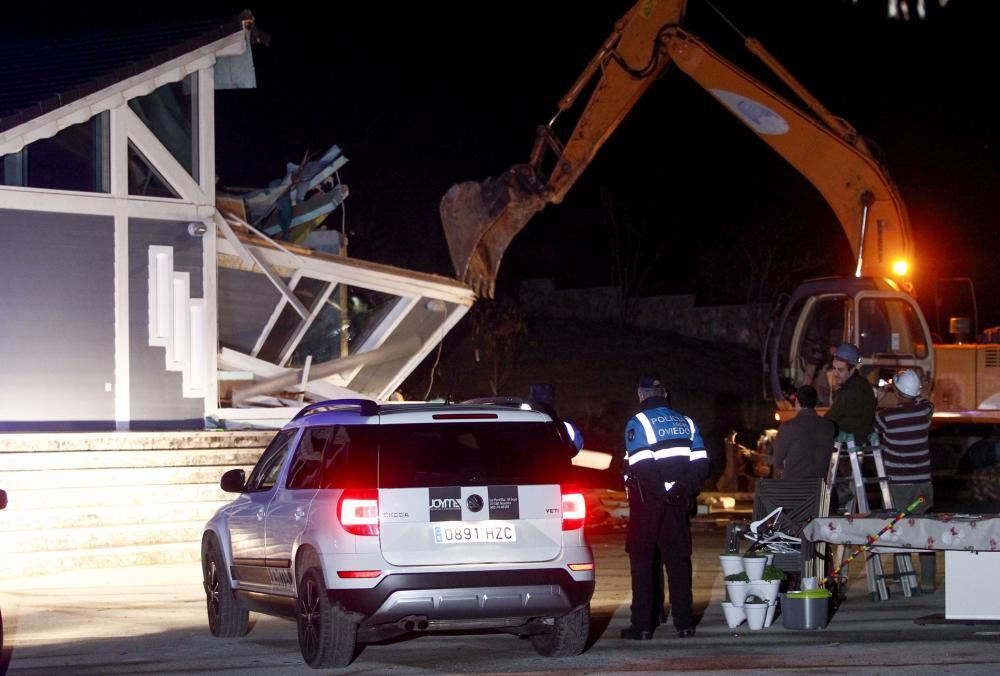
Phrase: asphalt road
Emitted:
{"points": [[151, 620]]}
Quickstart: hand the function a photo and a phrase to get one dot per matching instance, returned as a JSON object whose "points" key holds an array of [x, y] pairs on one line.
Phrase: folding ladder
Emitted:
{"points": [[845, 449]]}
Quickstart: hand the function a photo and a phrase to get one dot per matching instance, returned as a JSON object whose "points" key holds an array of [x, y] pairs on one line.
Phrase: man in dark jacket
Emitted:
{"points": [[667, 463], [854, 401], [804, 444], [853, 409]]}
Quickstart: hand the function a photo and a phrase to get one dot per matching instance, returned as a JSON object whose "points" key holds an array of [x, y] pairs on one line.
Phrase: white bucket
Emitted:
{"points": [[734, 614], [769, 618], [737, 592], [766, 589], [731, 564], [754, 566], [756, 614]]}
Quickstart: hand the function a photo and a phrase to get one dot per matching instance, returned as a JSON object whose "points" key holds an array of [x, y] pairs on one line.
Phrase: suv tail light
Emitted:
{"points": [[357, 511], [574, 510]]}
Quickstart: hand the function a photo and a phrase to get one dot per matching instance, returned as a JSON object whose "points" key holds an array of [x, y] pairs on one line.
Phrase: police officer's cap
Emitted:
{"points": [[651, 381]]}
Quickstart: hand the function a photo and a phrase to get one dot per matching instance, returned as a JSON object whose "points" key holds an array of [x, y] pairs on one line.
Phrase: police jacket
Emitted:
{"points": [[664, 451]]}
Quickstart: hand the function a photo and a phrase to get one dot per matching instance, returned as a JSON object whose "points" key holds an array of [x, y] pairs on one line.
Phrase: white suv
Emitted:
{"points": [[365, 521]]}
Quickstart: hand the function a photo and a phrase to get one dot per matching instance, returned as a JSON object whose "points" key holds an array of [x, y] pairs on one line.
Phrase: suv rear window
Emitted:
{"points": [[336, 456], [451, 454]]}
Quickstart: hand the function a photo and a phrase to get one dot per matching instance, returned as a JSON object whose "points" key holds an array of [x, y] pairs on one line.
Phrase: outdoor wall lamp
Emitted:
{"points": [[197, 229]]}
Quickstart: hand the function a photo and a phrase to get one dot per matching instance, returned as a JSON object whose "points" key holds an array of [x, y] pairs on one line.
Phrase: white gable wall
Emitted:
{"points": [[170, 378], [142, 392]]}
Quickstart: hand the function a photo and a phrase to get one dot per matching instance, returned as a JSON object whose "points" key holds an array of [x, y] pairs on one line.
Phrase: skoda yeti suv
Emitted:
{"points": [[364, 521]]}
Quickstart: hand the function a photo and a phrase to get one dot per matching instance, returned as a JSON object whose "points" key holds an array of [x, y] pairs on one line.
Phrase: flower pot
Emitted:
{"points": [[754, 566], [770, 559], [766, 589], [769, 617], [737, 592], [731, 564], [734, 614], [756, 614]]}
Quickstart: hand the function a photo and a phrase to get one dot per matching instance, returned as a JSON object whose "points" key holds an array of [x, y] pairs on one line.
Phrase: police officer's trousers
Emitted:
{"points": [[656, 525]]}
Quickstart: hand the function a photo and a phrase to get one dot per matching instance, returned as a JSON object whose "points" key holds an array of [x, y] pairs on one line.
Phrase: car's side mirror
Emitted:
{"points": [[3, 499], [234, 481]]}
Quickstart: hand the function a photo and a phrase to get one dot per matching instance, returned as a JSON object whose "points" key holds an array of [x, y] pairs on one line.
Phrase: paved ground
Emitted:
{"points": [[151, 619]]}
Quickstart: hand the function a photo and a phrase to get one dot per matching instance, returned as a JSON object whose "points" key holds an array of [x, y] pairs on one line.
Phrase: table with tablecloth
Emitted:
{"points": [[971, 543]]}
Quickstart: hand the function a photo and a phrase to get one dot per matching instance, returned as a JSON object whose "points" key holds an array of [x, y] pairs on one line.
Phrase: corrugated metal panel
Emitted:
{"points": [[992, 357]]}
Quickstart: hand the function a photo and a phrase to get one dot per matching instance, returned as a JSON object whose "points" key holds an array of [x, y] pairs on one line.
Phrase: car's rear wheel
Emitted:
{"points": [[326, 638], [568, 636], [226, 617]]}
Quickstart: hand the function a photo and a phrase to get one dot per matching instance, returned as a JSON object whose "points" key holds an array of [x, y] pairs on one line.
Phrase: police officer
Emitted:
{"points": [[666, 464]]}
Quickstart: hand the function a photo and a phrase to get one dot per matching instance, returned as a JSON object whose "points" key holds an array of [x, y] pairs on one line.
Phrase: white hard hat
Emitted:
{"points": [[908, 383]]}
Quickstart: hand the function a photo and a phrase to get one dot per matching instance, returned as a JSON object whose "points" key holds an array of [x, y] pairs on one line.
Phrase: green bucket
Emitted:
{"points": [[807, 609]]}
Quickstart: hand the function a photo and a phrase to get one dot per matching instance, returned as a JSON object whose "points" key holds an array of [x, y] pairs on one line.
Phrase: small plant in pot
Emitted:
{"points": [[737, 586], [768, 584], [772, 573]]}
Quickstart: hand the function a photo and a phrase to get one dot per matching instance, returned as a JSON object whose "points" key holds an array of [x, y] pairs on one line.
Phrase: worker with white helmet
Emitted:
{"points": [[905, 430]]}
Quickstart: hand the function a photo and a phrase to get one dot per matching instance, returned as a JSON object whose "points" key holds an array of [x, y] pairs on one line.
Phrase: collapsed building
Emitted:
{"points": [[140, 297]]}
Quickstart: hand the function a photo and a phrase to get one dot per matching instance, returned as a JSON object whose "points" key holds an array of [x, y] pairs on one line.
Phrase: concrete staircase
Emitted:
{"points": [[94, 500]]}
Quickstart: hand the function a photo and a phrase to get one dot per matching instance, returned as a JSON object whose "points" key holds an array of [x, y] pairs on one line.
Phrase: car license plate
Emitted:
{"points": [[481, 531]]}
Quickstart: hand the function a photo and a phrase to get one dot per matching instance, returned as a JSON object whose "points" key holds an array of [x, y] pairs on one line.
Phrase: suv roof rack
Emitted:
{"points": [[514, 402], [366, 407]]}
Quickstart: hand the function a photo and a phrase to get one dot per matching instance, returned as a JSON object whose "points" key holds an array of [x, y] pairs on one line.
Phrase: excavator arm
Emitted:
{"points": [[481, 219], [827, 151]]}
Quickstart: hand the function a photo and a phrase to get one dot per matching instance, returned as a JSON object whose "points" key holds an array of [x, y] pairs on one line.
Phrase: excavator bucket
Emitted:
{"points": [[481, 219]]}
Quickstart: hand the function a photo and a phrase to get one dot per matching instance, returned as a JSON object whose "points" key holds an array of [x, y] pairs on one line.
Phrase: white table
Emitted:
{"points": [[971, 544]]}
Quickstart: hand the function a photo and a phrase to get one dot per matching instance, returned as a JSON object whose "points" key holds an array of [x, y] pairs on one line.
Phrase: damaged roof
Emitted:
{"points": [[44, 72]]}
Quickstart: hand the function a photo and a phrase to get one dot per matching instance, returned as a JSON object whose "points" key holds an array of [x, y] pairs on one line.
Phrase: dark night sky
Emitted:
{"points": [[423, 95]]}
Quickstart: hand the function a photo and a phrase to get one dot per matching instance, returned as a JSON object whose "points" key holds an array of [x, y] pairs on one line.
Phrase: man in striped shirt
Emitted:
{"points": [[905, 429], [666, 465]]}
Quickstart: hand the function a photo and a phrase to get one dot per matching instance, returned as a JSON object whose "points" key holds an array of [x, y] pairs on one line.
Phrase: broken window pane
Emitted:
{"points": [[171, 113], [365, 311], [143, 179], [76, 158], [307, 290]]}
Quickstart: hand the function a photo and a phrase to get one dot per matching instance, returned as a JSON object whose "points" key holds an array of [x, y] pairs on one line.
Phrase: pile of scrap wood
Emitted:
{"points": [[293, 207]]}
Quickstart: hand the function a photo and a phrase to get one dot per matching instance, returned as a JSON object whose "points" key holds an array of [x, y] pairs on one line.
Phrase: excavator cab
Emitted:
{"points": [[885, 323]]}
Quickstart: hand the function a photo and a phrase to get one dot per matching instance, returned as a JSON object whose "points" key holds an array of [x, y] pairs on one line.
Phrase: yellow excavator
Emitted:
{"points": [[481, 219], [873, 307]]}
